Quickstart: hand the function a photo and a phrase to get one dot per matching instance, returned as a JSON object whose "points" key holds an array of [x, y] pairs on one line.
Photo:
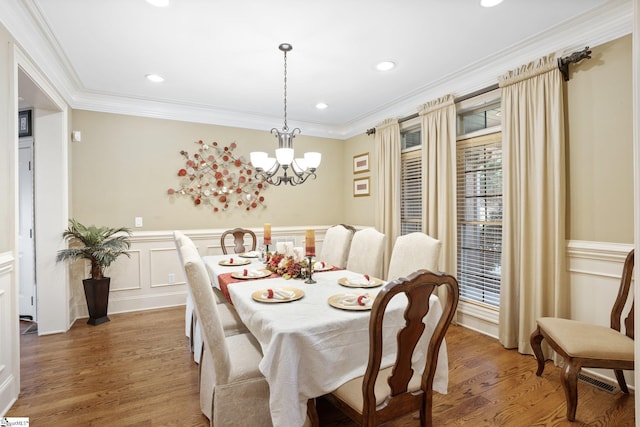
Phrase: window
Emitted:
{"points": [[411, 183], [479, 193], [475, 119]]}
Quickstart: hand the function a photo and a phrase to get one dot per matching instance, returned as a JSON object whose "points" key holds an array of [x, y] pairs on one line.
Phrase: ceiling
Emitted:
{"points": [[221, 62]]}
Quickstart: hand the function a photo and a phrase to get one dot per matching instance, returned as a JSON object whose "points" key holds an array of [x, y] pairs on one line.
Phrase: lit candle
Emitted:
{"points": [[310, 242], [267, 234]]}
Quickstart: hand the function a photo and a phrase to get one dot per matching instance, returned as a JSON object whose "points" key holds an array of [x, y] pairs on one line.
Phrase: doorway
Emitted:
{"points": [[26, 234]]}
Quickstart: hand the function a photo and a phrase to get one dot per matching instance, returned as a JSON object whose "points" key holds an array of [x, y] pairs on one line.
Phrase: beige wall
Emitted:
{"points": [[600, 146], [124, 166], [7, 141], [359, 210], [599, 150]]}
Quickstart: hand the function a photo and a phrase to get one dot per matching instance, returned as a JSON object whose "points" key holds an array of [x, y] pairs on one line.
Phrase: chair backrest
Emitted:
{"points": [[207, 311], [238, 240], [412, 252], [366, 254], [335, 246], [180, 240], [621, 299], [403, 397]]}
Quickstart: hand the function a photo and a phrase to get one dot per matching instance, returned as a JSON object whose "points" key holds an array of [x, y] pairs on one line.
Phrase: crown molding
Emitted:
{"points": [[601, 25], [24, 21]]}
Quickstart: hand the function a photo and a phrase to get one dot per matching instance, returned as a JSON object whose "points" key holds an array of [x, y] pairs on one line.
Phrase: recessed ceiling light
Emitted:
{"points": [[155, 78], [321, 105], [490, 3], [158, 3], [385, 66]]}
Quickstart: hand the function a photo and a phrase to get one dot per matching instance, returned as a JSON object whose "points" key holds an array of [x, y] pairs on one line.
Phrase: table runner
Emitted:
{"points": [[225, 279]]}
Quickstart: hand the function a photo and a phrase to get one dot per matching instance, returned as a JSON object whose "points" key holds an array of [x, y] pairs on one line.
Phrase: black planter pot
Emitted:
{"points": [[97, 293]]}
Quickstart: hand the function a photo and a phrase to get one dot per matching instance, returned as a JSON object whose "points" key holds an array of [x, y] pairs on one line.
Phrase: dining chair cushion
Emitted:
{"points": [[336, 245], [366, 252], [602, 343], [413, 252], [351, 391]]}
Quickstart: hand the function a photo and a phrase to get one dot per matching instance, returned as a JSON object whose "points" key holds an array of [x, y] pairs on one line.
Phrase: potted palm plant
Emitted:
{"points": [[101, 246]]}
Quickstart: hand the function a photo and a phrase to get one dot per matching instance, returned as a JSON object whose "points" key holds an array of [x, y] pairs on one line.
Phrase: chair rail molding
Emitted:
{"points": [[153, 277]]}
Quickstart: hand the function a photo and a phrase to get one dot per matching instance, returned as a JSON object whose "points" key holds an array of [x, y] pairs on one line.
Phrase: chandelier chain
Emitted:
{"points": [[285, 128]]}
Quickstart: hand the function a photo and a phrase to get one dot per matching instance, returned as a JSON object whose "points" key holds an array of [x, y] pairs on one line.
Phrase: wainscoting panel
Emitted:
{"points": [[153, 277], [126, 273], [9, 347]]}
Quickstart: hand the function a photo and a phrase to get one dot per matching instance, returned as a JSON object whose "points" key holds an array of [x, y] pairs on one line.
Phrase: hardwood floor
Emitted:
{"points": [[137, 371]]}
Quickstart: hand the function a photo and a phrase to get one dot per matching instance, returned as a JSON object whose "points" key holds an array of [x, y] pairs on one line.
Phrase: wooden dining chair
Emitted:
{"points": [[336, 245], [412, 252], [586, 345], [238, 240], [233, 392], [382, 395], [366, 254]]}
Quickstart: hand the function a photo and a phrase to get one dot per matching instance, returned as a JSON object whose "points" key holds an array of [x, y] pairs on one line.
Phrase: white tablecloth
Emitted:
{"points": [[311, 348]]}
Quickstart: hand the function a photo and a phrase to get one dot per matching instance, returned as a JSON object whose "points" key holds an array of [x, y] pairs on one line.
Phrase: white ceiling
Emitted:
{"points": [[221, 62]]}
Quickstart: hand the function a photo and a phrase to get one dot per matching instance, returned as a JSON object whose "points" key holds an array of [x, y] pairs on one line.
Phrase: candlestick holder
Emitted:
{"points": [[310, 266]]}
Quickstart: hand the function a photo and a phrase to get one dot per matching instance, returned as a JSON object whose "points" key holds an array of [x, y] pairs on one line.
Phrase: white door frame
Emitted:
{"points": [[51, 206]]}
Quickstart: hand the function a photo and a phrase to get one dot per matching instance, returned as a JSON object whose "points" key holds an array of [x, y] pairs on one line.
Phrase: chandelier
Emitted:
{"points": [[295, 171]]}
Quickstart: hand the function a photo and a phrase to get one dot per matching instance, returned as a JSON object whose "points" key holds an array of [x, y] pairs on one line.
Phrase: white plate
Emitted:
{"points": [[298, 293], [258, 274], [336, 301], [345, 282], [326, 267], [236, 261], [249, 255]]}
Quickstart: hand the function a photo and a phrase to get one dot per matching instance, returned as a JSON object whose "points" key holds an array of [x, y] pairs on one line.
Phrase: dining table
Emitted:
{"points": [[311, 345]]}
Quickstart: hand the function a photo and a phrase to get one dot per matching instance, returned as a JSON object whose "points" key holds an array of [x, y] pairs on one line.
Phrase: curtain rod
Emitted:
{"points": [[563, 66]]}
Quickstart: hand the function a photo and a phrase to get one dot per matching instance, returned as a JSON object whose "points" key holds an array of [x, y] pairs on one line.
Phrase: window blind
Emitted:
{"points": [[411, 193], [479, 206]]}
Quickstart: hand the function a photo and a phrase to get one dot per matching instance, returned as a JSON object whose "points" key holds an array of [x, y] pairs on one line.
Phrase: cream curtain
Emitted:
{"points": [[533, 265], [439, 177], [388, 164]]}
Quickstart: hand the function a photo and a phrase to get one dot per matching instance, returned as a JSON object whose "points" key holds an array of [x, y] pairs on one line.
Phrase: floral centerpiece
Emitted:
{"points": [[287, 266]]}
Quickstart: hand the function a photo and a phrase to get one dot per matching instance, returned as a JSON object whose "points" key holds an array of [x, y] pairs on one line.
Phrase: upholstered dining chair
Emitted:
{"points": [[412, 252], [232, 389], [180, 240], [586, 345], [336, 244], [231, 322], [366, 254], [238, 240], [382, 395]]}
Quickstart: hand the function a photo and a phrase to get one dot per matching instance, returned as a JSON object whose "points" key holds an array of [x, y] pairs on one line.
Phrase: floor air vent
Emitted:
{"points": [[597, 383]]}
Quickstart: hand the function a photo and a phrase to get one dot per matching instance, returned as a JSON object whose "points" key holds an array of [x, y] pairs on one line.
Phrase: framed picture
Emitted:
{"points": [[24, 123], [361, 187], [361, 163]]}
